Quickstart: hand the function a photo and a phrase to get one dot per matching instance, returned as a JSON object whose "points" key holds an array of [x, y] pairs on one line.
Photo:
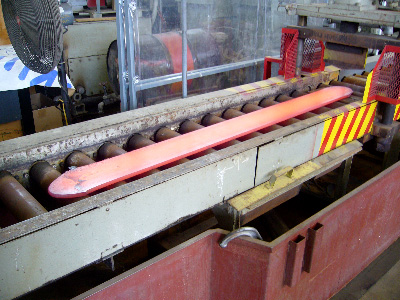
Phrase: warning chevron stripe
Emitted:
{"points": [[397, 113], [347, 126]]}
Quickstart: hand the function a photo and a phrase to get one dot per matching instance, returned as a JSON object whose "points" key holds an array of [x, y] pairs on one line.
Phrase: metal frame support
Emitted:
{"points": [[121, 54], [343, 178], [302, 21], [184, 48], [130, 10]]}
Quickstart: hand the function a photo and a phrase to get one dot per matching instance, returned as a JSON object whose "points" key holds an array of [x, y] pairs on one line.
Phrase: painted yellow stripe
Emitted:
{"points": [[263, 84], [334, 133], [346, 125], [327, 123], [367, 87], [356, 123], [277, 80], [368, 117], [233, 90], [248, 87], [366, 120], [395, 112]]}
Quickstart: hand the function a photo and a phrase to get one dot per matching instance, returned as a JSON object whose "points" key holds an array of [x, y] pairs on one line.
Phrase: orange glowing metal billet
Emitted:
{"points": [[90, 178]]}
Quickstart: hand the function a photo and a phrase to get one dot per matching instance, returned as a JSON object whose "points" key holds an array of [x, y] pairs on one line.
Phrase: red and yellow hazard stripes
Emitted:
{"points": [[397, 113], [354, 122]]}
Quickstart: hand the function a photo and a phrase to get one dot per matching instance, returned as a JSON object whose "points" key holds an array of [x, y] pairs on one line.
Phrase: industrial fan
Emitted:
{"points": [[35, 31]]}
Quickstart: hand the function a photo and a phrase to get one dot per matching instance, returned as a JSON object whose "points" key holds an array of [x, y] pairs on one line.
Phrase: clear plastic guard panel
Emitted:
{"points": [[218, 33]]}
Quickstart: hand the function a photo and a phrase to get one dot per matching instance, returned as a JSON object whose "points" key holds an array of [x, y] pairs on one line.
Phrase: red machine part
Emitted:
{"points": [[92, 3], [385, 83], [289, 41], [90, 178], [173, 43], [313, 55]]}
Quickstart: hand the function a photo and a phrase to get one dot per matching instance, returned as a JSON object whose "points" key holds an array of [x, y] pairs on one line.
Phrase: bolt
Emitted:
{"points": [[26, 175]]}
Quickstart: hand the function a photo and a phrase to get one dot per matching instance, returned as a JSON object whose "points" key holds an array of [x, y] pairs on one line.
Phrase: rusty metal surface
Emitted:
{"points": [[17, 155], [314, 260], [352, 39], [43, 174], [77, 159], [361, 82], [109, 150], [344, 56]]}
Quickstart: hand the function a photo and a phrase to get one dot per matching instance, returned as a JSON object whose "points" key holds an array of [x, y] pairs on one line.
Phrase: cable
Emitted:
{"points": [[63, 109]]}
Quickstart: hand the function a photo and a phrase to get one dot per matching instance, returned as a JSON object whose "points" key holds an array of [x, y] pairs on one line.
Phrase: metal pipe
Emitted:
{"points": [[211, 119], [108, 150], [306, 115], [165, 133], [130, 10], [77, 159], [184, 48], [297, 94], [17, 199], [283, 98], [248, 108], [177, 77], [43, 174], [98, 6], [123, 88], [189, 126], [388, 113], [355, 88], [231, 113], [138, 141], [267, 103], [299, 58], [355, 80], [62, 78]]}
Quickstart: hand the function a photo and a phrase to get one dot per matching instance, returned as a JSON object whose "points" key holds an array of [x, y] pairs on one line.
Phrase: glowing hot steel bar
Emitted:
{"points": [[90, 178]]}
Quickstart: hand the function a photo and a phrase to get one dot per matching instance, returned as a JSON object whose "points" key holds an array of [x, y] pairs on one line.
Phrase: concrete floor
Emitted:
{"points": [[379, 281]]}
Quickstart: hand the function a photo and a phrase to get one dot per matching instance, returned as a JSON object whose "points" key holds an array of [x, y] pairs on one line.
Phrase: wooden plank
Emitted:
{"points": [[95, 19]]}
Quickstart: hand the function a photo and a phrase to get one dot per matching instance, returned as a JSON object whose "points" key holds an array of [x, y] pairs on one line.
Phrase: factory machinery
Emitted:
{"points": [[44, 239]]}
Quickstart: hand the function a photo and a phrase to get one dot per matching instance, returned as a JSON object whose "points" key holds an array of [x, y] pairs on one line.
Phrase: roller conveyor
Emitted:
{"points": [[43, 174], [226, 172]]}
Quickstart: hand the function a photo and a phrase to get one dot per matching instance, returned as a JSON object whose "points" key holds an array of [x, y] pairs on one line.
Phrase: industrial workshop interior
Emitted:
{"points": [[188, 149]]}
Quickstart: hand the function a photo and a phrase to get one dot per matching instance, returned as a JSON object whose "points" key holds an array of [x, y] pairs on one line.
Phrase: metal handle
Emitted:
{"points": [[244, 231]]}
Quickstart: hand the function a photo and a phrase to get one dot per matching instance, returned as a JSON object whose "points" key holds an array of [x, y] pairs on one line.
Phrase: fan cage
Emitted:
{"points": [[35, 31]]}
